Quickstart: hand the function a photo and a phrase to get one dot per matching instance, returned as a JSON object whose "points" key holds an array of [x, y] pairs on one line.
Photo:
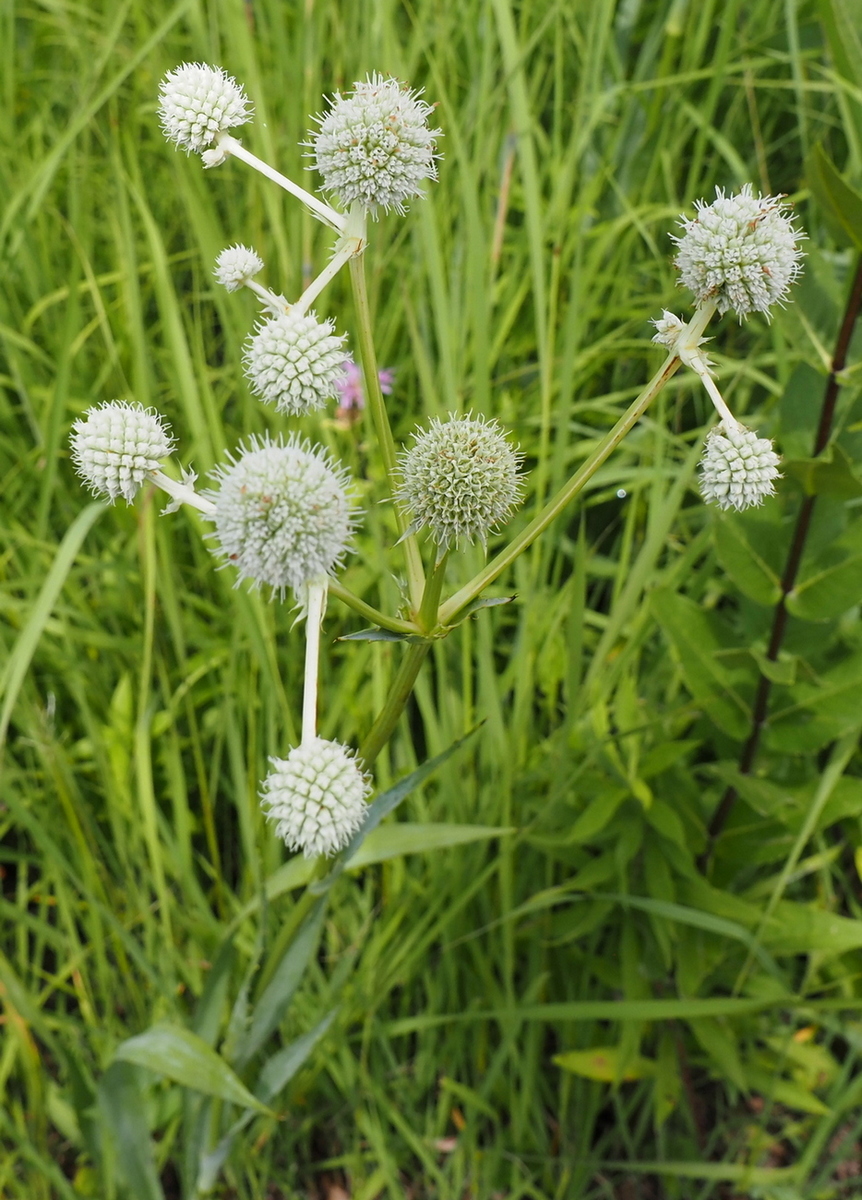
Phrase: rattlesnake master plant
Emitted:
{"points": [[281, 508]]}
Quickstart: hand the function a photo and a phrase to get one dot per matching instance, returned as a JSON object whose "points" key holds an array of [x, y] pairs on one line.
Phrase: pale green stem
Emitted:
{"points": [[182, 493], [402, 686], [323, 212], [352, 243], [387, 719], [377, 408], [276, 304], [394, 624], [569, 490], [316, 606]]}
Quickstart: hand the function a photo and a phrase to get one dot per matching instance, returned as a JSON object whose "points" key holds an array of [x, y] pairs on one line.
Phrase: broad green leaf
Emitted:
{"points": [[831, 474], [827, 592], [696, 644], [122, 1110], [605, 1064], [841, 201], [178, 1054], [781, 670], [721, 1048], [747, 568], [595, 816]]}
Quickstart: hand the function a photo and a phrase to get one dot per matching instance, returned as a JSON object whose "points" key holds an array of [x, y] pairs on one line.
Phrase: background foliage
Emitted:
{"points": [[530, 989]]}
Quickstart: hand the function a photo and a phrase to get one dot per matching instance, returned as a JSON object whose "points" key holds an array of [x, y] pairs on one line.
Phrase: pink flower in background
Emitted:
{"points": [[351, 392]]}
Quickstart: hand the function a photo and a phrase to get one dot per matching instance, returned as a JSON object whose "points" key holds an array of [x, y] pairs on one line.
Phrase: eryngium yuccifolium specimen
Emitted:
{"points": [[668, 327], [236, 265], [375, 146], [461, 479], [740, 251], [282, 515], [198, 102], [738, 468], [316, 797], [295, 362], [115, 446]]}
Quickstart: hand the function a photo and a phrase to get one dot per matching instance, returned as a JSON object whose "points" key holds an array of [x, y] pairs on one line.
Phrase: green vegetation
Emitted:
{"points": [[540, 976]]}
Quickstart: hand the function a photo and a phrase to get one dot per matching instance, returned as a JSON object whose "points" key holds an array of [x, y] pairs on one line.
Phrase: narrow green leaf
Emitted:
{"points": [[278, 993], [178, 1054]]}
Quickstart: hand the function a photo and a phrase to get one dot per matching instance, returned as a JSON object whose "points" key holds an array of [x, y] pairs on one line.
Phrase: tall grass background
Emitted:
{"points": [[540, 896]]}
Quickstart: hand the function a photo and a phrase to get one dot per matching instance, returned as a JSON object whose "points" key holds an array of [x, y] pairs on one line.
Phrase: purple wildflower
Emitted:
{"points": [[351, 392]]}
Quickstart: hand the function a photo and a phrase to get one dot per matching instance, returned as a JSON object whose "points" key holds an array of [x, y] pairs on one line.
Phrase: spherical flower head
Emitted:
{"points": [[282, 514], [461, 479], [115, 446], [375, 146], [316, 797], [197, 103], [738, 468], [295, 362], [740, 251], [236, 265]]}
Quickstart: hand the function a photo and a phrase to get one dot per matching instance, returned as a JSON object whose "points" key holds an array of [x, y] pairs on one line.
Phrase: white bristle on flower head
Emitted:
{"points": [[115, 447], [282, 514], [198, 102], [236, 265], [374, 146], [740, 251], [461, 478], [738, 468], [295, 362], [316, 797], [668, 327]]}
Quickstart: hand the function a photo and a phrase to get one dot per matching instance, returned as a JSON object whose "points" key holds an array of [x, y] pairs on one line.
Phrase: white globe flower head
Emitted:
{"points": [[117, 445], [738, 469], [282, 514], [295, 362], [374, 146], [740, 251], [197, 103], [316, 797], [236, 265], [461, 478]]}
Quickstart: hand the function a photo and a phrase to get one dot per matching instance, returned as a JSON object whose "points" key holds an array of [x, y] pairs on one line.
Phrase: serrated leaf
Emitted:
{"points": [[178, 1054], [841, 201]]}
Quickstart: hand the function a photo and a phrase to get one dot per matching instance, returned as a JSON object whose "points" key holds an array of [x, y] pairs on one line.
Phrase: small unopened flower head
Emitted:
{"points": [[295, 362], [115, 446], [316, 797], [197, 103], [375, 146], [740, 251], [461, 478], [668, 327], [738, 468], [236, 265], [282, 514]]}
